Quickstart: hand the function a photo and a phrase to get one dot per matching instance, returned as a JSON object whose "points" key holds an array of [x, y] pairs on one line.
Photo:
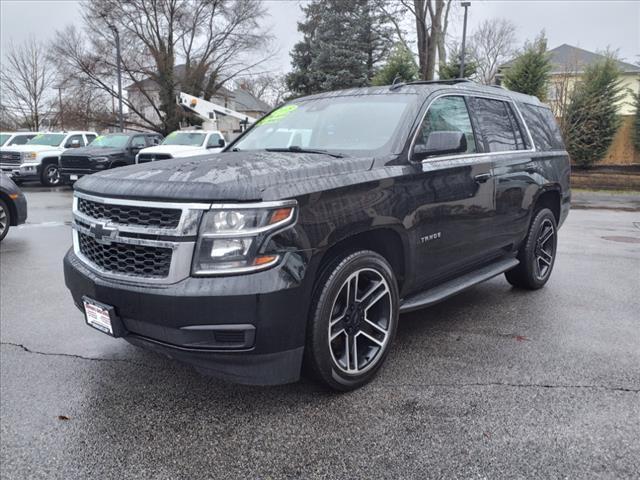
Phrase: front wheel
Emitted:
{"points": [[50, 176], [353, 320], [537, 254], [5, 219]]}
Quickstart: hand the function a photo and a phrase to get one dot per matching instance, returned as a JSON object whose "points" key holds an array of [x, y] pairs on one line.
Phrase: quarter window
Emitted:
{"points": [[74, 141], [448, 114], [496, 122]]}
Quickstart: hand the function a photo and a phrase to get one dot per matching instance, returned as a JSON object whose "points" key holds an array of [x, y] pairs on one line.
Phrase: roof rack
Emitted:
{"points": [[451, 81]]}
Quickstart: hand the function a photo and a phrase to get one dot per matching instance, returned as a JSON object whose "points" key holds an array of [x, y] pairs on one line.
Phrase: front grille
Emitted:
{"points": [[151, 157], [131, 215], [10, 158], [124, 259], [74, 161]]}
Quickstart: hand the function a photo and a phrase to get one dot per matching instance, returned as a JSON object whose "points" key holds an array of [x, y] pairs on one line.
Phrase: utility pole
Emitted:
{"points": [[118, 60], [466, 5], [59, 87]]}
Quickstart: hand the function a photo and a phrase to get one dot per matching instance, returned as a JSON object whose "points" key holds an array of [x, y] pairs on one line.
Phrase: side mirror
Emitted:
{"points": [[135, 149], [441, 143], [221, 142]]}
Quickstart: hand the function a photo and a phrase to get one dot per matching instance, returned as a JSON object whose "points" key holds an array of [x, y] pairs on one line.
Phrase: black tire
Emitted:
{"points": [[537, 254], [355, 331], [50, 175], [5, 219]]}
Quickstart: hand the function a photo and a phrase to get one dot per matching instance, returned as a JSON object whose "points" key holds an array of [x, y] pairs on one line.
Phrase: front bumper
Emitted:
{"points": [[25, 171], [262, 317]]}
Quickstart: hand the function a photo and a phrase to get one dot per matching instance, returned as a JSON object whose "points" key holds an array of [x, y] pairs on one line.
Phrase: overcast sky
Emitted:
{"points": [[592, 25]]}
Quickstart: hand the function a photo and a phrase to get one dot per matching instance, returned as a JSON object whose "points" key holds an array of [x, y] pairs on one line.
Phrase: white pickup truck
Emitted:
{"points": [[184, 143], [38, 159], [9, 139]]}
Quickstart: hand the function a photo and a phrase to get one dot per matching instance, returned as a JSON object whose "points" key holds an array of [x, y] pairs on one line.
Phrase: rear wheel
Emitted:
{"points": [[537, 254], [50, 176], [5, 219], [353, 320]]}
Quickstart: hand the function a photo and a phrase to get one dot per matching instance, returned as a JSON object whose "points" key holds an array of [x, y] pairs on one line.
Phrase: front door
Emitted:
{"points": [[454, 197]]}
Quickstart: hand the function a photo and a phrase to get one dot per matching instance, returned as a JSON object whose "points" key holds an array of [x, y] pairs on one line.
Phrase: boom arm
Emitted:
{"points": [[208, 110]]}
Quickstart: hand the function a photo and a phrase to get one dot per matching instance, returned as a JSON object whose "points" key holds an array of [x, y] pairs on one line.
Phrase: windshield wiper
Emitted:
{"points": [[296, 149]]}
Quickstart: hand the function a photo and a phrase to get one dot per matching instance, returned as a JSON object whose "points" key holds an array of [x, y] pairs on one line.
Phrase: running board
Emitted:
{"points": [[457, 285]]}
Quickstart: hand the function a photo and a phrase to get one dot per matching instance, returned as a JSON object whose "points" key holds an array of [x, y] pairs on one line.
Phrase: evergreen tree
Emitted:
{"points": [[591, 119], [343, 43], [451, 69], [400, 64], [636, 123], [529, 73]]}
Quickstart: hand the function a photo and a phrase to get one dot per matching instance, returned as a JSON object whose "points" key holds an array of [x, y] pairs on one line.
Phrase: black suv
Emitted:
{"points": [[105, 152], [313, 231]]}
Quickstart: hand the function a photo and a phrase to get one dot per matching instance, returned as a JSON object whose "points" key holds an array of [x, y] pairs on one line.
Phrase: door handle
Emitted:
{"points": [[482, 178]]}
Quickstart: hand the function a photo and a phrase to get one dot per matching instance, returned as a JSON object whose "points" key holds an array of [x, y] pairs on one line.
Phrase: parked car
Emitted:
{"points": [[13, 205], [38, 158], [105, 152], [8, 139], [248, 264], [184, 143]]}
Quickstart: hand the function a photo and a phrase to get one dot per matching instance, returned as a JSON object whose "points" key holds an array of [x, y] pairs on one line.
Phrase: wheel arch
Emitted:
{"points": [[550, 198], [13, 211], [385, 241]]}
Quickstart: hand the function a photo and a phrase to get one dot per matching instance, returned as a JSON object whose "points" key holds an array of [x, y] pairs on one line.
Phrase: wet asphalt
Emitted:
{"points": [[493, 383]]}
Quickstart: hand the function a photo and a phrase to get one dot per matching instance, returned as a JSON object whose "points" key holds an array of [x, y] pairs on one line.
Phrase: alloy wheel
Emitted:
{"points": [[53, 175], [4, 220], [544, 249], [360, 321]]}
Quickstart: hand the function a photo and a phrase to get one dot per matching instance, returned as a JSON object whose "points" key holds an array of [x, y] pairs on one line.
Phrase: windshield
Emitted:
{"points": [[363, 123], [4, 138], [111, 141], [185, 138], [51, 139]]}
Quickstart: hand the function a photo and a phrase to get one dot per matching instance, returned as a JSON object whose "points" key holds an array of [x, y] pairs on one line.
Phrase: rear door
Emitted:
{"points": [[505, 137], [454, 196]]}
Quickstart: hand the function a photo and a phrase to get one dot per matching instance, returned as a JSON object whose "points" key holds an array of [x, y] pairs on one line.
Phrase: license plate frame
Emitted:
{"points": [[102, 317], [73, 178]]}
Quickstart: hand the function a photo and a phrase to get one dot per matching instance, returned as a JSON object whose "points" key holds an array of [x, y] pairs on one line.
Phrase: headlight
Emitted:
{"points": [[231, 239], [29, 155], [100, 159]]}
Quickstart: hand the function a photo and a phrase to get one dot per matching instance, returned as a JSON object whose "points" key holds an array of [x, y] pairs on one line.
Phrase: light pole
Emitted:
{"points": [[118, 59], [466, 5], [59, 88]]}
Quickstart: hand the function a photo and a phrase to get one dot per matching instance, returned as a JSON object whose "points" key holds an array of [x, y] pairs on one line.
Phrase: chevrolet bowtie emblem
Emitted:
{"points": [[103, 234]]}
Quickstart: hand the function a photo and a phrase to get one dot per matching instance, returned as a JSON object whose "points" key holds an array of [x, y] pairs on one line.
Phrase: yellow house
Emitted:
{"points": [[568, 64]]}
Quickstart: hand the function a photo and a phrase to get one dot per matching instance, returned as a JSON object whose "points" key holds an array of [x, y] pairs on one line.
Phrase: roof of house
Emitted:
{"points": [[569, 57], [149, 83], [245, 102]]}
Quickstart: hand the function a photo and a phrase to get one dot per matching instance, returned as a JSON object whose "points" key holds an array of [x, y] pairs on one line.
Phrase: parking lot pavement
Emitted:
{"points": [[493, 383]]}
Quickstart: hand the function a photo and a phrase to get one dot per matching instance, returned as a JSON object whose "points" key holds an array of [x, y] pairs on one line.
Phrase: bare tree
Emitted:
{"points": [[271, 89], [212, 41], [24, 79], [431, 19], [492, 44]]}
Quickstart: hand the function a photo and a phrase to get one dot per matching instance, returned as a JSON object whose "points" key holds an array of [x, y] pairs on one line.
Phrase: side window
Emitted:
{"points": [[90, 138], [543, 127], [496, 122], [74, 141], [214, 138], [448, 114], [138, 142], [153, 140], [522, 143]]}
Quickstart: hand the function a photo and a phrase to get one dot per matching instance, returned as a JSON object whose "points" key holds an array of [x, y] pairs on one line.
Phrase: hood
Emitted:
{"points": [[229, 176], [31, 148], [92, 152]]}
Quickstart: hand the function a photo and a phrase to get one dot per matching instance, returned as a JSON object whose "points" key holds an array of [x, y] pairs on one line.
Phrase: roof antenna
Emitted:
{"points": [[397, 83]]}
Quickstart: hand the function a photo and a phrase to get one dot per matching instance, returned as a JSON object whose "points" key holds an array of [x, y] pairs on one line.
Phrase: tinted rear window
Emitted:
{"points": [[543, 127], [496, 126]]}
